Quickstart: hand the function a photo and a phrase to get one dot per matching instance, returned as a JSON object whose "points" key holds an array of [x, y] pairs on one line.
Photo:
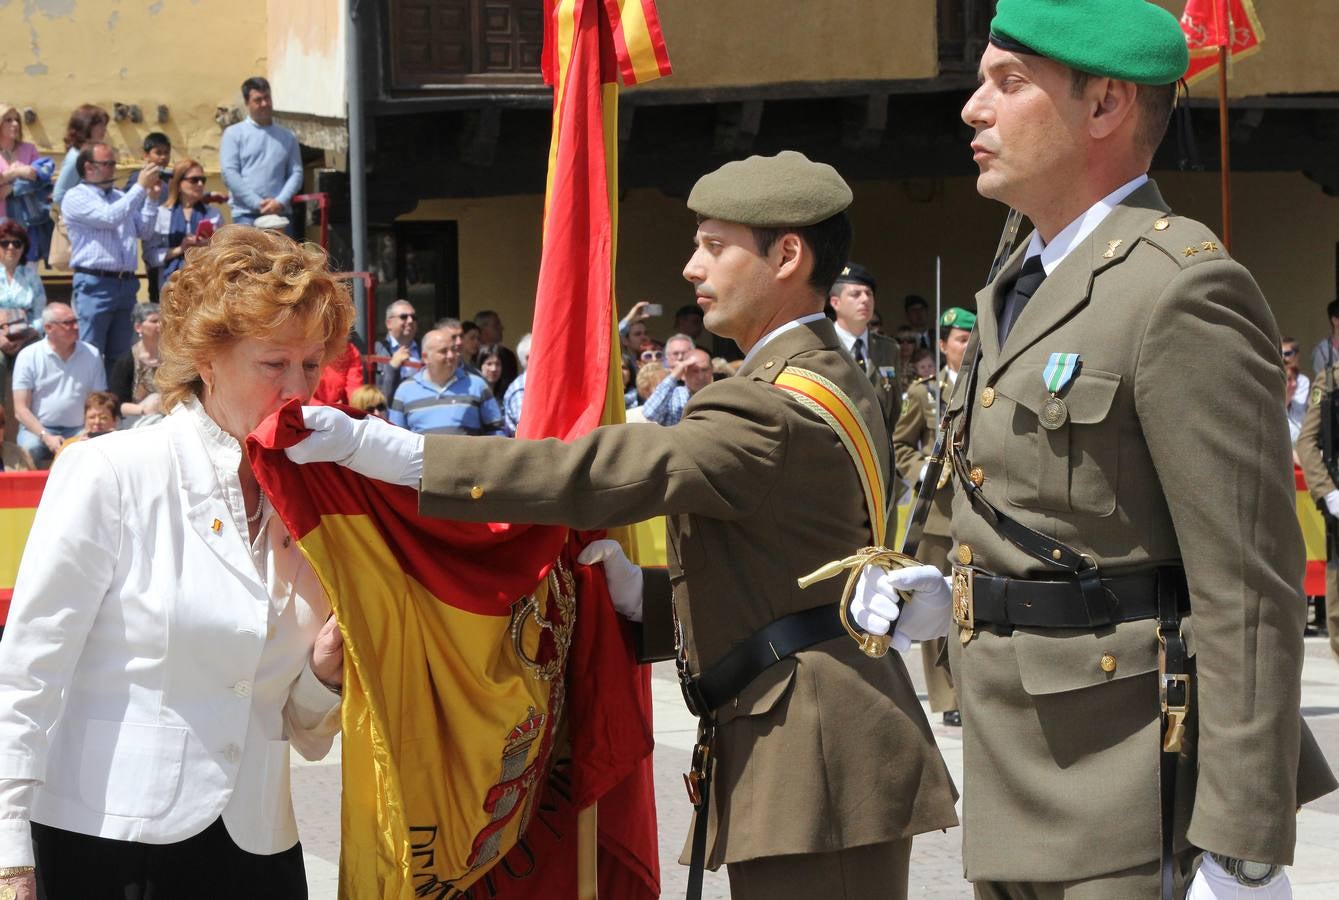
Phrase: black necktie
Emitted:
{"points": [[1029, 279], [858, 351]]}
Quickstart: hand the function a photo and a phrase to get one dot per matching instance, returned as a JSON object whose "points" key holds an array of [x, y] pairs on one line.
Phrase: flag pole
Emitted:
{"points": [[588, 853], [1226, 167]]}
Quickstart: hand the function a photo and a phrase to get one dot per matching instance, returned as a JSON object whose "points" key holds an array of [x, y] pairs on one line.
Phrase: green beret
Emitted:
{"points": [[957, 317], [784, 191], [1131, 40]]}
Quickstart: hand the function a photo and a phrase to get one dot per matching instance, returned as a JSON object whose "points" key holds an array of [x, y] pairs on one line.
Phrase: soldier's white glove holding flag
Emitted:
{"points": [[926, 615], [371, 446], [624, 576]]}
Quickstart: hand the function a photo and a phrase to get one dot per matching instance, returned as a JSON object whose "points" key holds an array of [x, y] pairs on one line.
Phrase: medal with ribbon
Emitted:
{"points": [[1059, 371]]}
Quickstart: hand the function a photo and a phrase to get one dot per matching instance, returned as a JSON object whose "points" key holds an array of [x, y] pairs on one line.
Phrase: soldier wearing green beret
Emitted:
{"points": [[817, 763], [1127, 561], [913, 439]]}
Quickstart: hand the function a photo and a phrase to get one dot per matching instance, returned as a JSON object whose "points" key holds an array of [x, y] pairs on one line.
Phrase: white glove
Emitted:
{"points": [[924, 616], [1332, 503], [371, 447], [625, 579], [1212, 882]]}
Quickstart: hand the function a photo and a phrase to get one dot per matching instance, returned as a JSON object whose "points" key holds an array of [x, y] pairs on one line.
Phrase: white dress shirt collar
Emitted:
{"points": [[848, 339], [780, 330], [1076, 232], [225, 456]]}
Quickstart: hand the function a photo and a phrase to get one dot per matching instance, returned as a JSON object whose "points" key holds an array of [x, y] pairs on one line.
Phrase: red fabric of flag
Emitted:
{"points": [[1212, 24]]}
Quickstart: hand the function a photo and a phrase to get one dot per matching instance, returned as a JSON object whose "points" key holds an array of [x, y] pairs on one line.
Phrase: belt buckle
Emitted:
{"points": [[1174, 688], [964, 610], [700, 769]]}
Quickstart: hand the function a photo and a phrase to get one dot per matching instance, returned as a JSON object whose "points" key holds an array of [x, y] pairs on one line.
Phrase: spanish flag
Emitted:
{"points": [[490, 690]]}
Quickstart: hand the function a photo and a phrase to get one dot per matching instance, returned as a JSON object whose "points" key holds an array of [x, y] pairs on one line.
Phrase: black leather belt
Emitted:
{"points": [[1038, 603], [749, 658], [103, 273]]}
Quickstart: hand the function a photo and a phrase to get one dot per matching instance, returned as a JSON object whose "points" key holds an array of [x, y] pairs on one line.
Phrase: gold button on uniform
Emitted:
{"points": [[964, 554], [1161, 225], [1108, 663], [977, 475], [1055, 555], [476, 492], [987, 397]]}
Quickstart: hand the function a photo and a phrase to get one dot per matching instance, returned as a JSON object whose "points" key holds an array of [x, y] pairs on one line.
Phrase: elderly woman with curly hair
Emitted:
{"points": [[167, 638]]}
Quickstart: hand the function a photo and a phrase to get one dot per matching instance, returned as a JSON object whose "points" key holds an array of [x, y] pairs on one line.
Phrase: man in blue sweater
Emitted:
{"points": [[262, 165]]}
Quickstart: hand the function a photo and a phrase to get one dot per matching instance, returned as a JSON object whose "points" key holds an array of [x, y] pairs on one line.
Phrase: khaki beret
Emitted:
{"points": [[788, 190]]}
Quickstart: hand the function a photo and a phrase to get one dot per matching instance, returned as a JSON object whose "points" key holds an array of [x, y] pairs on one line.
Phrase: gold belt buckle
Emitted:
{"points": [[1175, 713], [964, 613]]}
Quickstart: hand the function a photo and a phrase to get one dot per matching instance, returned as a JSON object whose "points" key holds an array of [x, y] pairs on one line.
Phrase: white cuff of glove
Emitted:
{"points": [[371, 447], [1332, 503], [624, 576], [923, 616], [1212, 882]]}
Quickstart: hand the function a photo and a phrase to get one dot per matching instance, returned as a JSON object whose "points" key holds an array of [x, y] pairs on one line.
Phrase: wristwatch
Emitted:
{"points": [[1247, 873]]}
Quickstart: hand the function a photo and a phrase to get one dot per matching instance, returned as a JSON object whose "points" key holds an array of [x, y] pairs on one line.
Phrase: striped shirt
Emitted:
{"points": [[464, 405], [105, 224], [666, 404]]}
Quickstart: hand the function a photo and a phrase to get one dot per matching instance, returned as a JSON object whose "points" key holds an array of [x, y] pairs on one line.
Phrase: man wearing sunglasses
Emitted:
{"points": [[401, 345], [105, 223]]}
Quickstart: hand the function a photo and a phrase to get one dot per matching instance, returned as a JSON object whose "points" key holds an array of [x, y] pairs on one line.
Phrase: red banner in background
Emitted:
{"points": [[1212, 24]]}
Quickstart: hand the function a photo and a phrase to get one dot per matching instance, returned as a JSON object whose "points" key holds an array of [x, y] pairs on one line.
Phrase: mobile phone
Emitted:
{"points": [[654, 309], [205, 229], [165, 174]]}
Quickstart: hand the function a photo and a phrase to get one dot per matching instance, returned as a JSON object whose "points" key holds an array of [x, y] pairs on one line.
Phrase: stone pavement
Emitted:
{"points": [[936, 870]]}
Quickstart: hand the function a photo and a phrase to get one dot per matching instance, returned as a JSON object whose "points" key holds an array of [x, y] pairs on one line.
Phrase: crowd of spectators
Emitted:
{"points": [[158, 215]]}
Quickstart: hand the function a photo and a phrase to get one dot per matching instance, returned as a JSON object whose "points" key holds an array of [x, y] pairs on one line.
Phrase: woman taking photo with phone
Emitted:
{"points": [[185, 220]]}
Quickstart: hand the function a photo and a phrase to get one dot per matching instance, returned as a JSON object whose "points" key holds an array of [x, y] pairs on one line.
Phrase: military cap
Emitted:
{"points": [[784, 191], [957, 317], [854, 273], [1132, 40]]}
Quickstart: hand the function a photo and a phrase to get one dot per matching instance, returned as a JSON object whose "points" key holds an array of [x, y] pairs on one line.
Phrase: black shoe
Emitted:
{"points": [[953, 717]]}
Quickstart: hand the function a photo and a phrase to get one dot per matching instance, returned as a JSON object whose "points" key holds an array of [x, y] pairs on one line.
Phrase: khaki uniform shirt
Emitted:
{"points": [[825, 750], [1151, 468], [914, 438]]}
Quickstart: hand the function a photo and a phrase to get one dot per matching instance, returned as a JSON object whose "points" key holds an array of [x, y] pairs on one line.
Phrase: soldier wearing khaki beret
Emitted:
{"points": [[819, 765], [1127, 563]]}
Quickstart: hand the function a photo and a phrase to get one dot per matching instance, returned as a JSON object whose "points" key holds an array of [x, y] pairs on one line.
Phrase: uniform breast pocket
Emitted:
{"points": [[1072, 467]]}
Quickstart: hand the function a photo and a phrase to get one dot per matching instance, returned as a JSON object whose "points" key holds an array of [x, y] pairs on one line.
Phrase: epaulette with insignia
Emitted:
{"points": [[1185, 241], [1317, 394]]}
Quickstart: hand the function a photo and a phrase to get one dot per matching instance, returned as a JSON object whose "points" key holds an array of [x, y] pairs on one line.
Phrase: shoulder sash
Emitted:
{"points": [[833, 406]]}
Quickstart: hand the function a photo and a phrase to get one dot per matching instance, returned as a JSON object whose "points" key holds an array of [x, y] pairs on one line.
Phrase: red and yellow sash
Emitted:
{"points": [[834, 407]]}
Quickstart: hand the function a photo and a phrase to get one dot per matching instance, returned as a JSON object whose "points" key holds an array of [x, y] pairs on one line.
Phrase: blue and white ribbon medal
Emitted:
{"points": [[1059, 371]]}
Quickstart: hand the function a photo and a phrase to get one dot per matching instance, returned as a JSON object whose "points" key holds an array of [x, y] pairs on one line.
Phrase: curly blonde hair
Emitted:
{"points": [[247, 283]]}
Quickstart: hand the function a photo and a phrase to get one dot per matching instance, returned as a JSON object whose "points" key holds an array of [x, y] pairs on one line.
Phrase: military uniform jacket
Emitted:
{"points": [[1151, 468], [914, 438], [1309, 451], [758, 492], [881, 366]]}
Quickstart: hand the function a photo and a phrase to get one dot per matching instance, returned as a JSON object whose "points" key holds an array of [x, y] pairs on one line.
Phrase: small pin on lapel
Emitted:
{"points": [[1191, 251], [1111, 248], [217, 527], [1208, 246]]}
